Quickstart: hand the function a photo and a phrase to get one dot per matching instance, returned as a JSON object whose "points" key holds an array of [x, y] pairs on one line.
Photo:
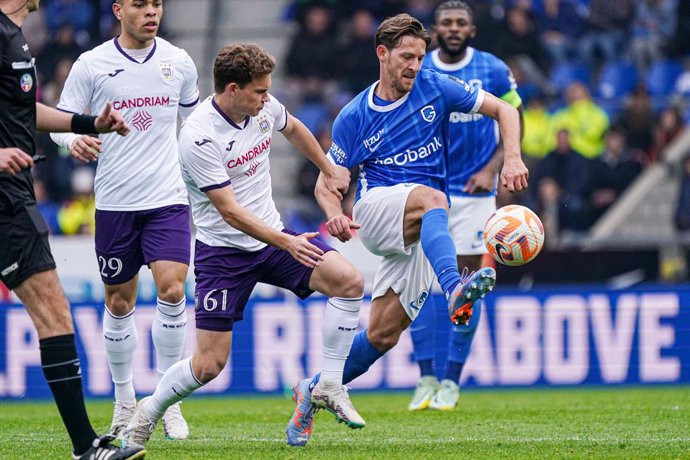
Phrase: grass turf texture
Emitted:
{"points": [[631, 422]]}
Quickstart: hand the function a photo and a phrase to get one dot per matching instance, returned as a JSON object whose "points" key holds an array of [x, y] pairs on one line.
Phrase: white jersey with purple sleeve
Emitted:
{"points": [[139, 171], [404, 141], [215, 152], [474, 138]]}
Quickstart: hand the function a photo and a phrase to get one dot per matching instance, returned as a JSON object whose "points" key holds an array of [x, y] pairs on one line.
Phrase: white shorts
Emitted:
{"points": [[466, 220], [405, 269]]}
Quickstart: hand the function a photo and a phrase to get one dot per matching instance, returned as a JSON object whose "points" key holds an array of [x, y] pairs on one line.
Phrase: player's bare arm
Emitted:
{"points": [[338, 224], [49, 119], [247, 222], [13, 160], [336, 178], [514, 173]]}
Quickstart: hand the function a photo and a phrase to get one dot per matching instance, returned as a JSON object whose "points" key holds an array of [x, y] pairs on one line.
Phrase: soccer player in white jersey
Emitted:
{"points": [[395, 131], [475, 161], [240, 240], [142, 211]]}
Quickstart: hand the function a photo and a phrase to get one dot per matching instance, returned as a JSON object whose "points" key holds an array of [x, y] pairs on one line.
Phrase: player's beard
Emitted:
{"points": [[32, 5], [453, 52]]}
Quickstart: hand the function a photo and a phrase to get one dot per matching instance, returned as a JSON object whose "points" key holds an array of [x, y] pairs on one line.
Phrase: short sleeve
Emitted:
{"points": [[341, 152], [506, 87], [279, 112], [201, 159], [460, 96], [189, 95], [78, 91]]}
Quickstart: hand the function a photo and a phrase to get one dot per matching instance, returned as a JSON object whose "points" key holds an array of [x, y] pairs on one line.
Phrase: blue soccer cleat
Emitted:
{"points": [[299, 427], [472, 288]]}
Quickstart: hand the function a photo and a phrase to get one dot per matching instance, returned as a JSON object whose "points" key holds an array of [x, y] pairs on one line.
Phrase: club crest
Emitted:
{"points": [[166, 71]]}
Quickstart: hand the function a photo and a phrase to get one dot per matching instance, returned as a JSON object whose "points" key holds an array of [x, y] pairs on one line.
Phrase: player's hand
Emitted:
{"points": [[514, 175], [13, 160], [341, 227], [338, 180], [481, 182], [86, 148], [303, 251], [111, 120]]}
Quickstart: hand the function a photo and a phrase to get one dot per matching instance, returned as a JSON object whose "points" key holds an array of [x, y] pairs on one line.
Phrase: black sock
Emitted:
{"points": [[62, 372]]}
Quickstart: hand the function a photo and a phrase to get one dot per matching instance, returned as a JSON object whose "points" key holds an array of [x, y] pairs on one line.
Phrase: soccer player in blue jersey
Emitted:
{"points": [[475, 161], [396, 131]]}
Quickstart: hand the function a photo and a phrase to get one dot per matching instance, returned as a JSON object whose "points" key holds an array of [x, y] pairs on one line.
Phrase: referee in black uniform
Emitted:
{"points": [[26, 264]]}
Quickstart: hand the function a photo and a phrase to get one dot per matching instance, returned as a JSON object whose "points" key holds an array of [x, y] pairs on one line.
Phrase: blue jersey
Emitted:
{"points": [[404, 141], [473, 137]]}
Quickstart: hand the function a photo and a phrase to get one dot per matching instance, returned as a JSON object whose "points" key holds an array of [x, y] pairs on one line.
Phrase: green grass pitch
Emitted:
{"points": [[592, 423]]}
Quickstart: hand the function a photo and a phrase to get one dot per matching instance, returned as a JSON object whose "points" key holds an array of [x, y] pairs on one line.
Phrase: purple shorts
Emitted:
{"points": [[225, 278], [126, 240]]}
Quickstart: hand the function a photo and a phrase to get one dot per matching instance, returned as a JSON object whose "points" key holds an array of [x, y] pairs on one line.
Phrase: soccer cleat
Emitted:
{"points": [[336, 400], [299, 427], [423, 393], [446, 398], [101, 449], [139, 430], [472, 288], [174, 424], [122, 415]]}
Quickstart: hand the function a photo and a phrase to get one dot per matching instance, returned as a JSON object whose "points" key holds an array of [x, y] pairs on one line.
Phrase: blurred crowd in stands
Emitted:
{"points": [[605, 86]]}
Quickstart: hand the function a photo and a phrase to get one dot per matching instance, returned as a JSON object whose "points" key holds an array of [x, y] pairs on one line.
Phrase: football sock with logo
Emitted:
{"points": [[168, 332], [362, 356], [60, 365], [338, 329], [177, 383], [460, 344], [439, 248], [422, 332], [120, 336]]}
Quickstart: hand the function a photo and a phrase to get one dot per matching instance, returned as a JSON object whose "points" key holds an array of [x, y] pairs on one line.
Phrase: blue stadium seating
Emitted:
{"points": [[661, 77], [564, 74], [617, 79]]}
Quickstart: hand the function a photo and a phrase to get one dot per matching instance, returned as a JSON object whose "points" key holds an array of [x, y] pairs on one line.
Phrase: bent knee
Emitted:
{"points": [[383, 340], [209, 368], [436, 199], [351, 283], [171, 292]]}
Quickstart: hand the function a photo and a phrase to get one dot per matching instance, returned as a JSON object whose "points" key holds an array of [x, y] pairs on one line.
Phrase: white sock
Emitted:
{"points": [[120, 337], [168, 332], [177, 383], [338, 331]]}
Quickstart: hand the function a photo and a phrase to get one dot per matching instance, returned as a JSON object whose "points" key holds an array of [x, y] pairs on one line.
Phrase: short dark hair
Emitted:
{"points": [[453, 5], [241, 63], [393, 29]]}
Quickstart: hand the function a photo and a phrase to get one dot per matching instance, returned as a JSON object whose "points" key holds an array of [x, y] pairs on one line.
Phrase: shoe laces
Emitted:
{"points": [[122, 413]]}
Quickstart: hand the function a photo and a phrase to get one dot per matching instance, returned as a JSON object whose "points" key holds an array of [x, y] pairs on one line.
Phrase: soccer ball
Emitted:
{"points": [[514, 235]]}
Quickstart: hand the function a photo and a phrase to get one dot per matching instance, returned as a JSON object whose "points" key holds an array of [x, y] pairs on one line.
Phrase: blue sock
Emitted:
{"points": [[439, 248], [454, 371], [422, 331], [362, 356]]}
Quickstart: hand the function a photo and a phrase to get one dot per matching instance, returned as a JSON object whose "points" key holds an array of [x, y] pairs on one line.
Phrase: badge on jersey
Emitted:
{"points": [[428, 113], [264, 125], [26, 82], [166, 71]]}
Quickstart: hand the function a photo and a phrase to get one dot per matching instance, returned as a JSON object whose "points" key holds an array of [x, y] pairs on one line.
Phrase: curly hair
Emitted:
{"points": [[393, 29], [241, 63]]}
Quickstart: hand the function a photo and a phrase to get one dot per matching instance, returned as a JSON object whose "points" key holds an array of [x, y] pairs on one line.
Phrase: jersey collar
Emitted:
{"points": [[124, 53], [227, 118], [469, 53], [384, 108]]}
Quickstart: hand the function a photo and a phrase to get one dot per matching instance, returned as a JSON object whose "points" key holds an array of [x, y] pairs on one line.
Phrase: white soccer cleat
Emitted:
{"points": [[423, 393], [336, 400], [174, 424], [122, 415], [446, 398], [139, 430]]}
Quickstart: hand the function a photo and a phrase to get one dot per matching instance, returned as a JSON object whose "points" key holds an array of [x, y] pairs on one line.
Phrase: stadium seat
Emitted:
{"points": [[617, 79], [661, 77], [564, 74]]}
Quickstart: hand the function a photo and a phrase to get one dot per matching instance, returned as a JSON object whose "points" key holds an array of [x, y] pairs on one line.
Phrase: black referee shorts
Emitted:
{"points": [[24, 248]]}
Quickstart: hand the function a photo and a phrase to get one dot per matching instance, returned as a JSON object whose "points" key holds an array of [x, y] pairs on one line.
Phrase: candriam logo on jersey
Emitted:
{"points": [[250, 154], [142, 120], [138, 102], [412, 155]]}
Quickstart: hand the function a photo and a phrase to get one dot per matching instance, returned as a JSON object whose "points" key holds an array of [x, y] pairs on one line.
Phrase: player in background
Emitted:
{"points": [[26, 264], [142, 212], [396, 131], [240, 239], [475, 161]]}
